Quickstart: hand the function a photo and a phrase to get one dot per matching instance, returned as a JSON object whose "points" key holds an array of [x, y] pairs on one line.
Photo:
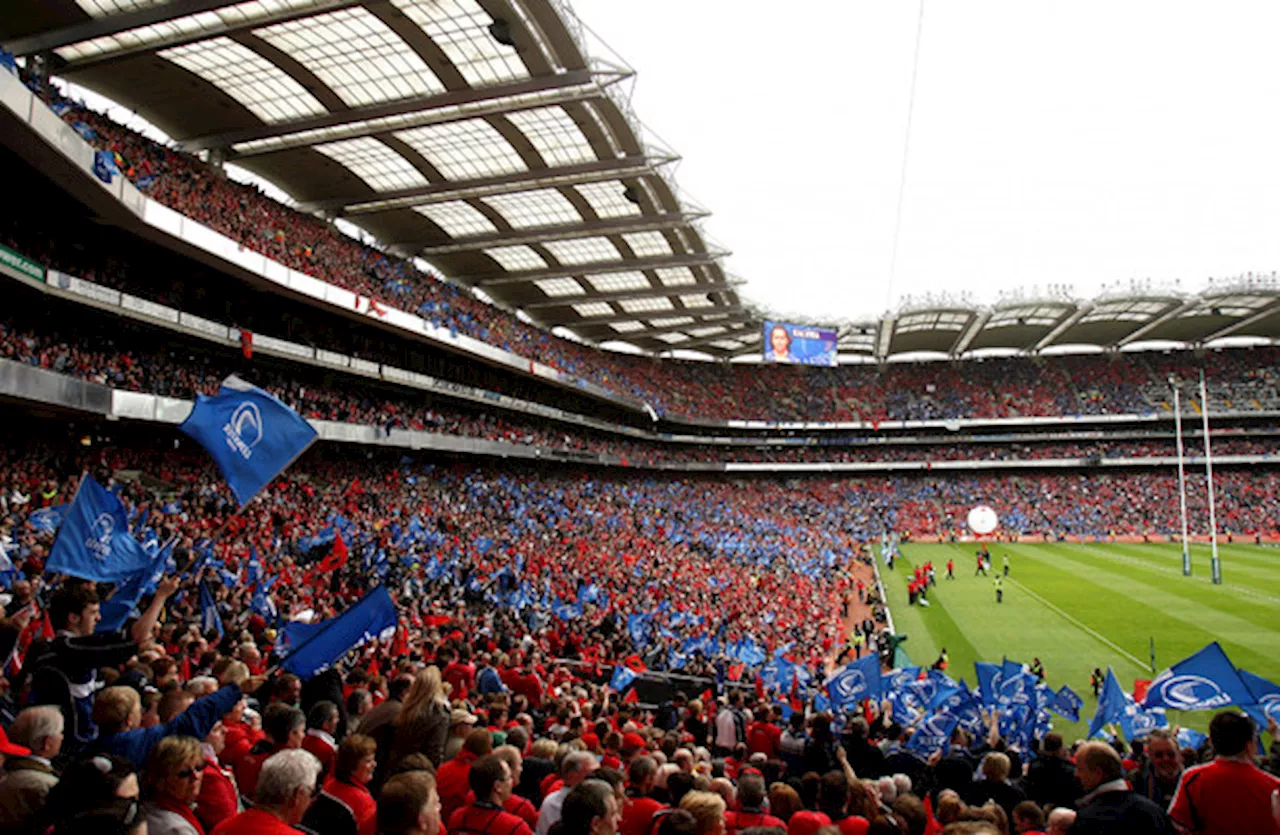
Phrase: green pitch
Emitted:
{"points": [[1077, 607]]}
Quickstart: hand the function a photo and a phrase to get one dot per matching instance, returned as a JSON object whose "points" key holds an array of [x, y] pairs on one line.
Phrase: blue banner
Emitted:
{"points": [[373, 616], [1266, 698], [94, 542], [932, 734], [1204, 681], [621, 679], [799, 344], [1111, 701], [1067, 704], [858, 680], [48, 519], [210, 620], [251, 435]]}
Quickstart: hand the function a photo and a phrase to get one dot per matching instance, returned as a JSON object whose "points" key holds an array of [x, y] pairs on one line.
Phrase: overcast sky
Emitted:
{"points": [[1084, 143]]}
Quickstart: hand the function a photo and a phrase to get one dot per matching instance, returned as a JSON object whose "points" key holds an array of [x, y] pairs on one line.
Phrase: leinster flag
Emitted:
{"points": [[251, 435], [858, 680], [1205, 681], [210, 620], [621, 679], [373, 616], [94, 542]]}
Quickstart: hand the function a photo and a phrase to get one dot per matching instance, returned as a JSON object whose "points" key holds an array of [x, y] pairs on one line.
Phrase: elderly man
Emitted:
{"points": [[1111, 807], [1060, 821], [576, 767], [285, 788], [28, 779], [1158, 778]]}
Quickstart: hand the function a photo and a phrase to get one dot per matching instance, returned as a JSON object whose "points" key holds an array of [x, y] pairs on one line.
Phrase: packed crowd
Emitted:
{"points": [[486, 712], [1077, 385], [133, 359]]}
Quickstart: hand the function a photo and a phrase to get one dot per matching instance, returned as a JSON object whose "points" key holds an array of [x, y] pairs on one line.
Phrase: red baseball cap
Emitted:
{"points": [[632, 742]]}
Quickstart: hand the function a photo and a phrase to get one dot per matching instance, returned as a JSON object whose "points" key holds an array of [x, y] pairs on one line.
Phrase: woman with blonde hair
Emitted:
{"points": [[423, 723], [174, 772], [707, 809]]}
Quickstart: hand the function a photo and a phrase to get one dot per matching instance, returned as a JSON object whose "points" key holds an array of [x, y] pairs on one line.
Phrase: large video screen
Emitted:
{"points": [[799, 344]]}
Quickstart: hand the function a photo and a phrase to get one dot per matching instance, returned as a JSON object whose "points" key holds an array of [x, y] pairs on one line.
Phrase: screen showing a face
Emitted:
{"points": [[799, 344]]}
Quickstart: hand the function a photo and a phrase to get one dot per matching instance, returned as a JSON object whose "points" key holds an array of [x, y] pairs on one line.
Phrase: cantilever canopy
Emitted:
{"points": [[477, 134]]}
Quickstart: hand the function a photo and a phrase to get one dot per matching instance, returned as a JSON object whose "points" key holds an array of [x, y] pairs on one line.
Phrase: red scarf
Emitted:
{"points": [[171, 805]]}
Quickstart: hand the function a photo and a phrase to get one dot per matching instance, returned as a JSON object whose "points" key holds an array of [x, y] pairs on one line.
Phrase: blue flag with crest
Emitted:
{"points": [[1066, 704], [1111, 702], [1206, 680], [858, 680], [251, 435], [621, 679], [372, 616], [94, 542], [1266, 698], [932, 734]]}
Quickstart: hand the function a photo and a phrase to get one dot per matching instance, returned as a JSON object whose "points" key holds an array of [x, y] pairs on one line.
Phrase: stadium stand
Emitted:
{"points": [[638, 633]]}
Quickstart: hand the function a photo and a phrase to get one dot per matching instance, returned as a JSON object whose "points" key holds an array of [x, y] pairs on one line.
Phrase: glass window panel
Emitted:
{"points": [[646, 305], [356, 55], [593, 309], [244, 75], [465, 150], [671, 322], [627, 327], [648, 243], [461, 29], [379, 166], [554, 135], [457, 218], [675, 276], [517, 258], [583, 250], [697, 300], [607, 200], [618, 281], [530, 209], [560, 287], [673, 338]]}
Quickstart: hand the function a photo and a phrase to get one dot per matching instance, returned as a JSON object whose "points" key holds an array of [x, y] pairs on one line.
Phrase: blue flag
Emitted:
{"points": [[1204, 681], [858, 680], [1066, 704], [1266, 698], [989, 676], [1111, 702], [251, 435], [48, 519], [372, 616], [932, 734], [94, 542], [621, 679], [1188, 738], [1136, 721], [210, 620]]}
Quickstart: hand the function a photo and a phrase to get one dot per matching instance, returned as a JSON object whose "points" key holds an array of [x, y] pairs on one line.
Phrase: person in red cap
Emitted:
{"points": [[632, 744], [490, 780]]}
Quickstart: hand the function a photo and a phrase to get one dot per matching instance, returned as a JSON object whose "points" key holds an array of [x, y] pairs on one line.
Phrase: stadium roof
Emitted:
{"points": [[481, 135], [478, 134]]}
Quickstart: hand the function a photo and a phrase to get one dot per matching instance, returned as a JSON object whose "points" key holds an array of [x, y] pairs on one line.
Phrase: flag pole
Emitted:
{"points": [[1208, 477], [1182, 476]]}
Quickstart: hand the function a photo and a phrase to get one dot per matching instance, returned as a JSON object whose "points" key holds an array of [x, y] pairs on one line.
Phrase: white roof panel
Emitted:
{"points": [[560, 287], [607, 200], [461, 29], [457, 218], [583, 250], [244, 75], [379, 166], [554, 135], [610, 282], [529, 209], [517, 257], [465, 150], [644, 244], [356, 55]]}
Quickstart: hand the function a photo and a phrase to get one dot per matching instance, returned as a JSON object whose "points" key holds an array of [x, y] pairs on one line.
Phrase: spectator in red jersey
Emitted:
{"points": [[219, 798], [1028, 818], [460, 674], [639, 808], [515, 804], [452, 776], [751, 807], [288, 781], [763, 734], [284, 728], [346, 804], [322, 724], [491, 782], [1229, 794]]}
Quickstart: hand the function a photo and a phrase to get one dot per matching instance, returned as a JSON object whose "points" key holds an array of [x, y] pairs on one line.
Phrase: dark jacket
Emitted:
{"points": [[1051, 781], [1120, 813], [195, 721]]}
